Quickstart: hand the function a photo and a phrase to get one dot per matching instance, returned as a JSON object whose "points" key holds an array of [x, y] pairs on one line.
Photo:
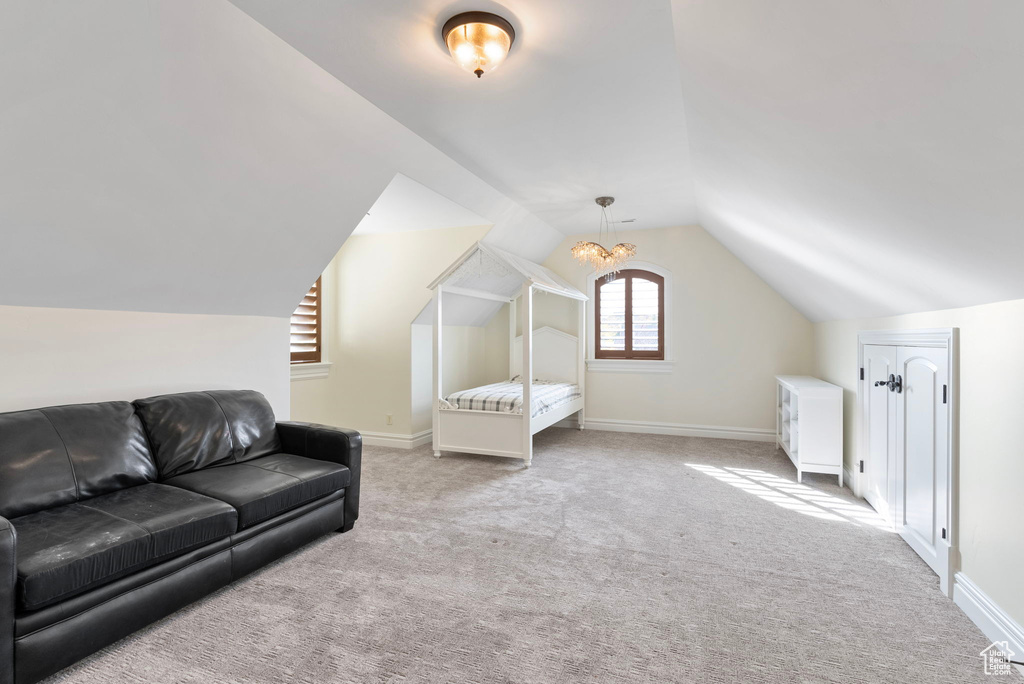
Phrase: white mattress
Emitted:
{"points": [[507, 397]]}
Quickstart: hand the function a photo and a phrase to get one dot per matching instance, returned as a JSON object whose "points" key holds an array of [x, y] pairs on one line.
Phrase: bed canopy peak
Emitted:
{"points": [[487, 272], [491, 273]]}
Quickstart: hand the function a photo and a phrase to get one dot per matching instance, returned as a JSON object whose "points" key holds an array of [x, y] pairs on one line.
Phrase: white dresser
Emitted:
{"points": [[809, 424]]}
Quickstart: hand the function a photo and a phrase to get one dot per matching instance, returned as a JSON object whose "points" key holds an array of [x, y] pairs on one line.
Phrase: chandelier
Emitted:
{"points": [[594, 254]]}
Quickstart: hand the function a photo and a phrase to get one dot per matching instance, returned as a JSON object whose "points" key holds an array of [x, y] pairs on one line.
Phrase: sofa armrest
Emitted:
{"points": [[8, 597], [325, 443]]}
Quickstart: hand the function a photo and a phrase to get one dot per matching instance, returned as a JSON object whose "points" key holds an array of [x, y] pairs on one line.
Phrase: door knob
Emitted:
{"points": [[894, 383]]}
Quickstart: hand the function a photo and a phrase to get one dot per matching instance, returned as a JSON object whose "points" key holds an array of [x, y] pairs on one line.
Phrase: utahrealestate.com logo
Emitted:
{"points": [[998, 658]]}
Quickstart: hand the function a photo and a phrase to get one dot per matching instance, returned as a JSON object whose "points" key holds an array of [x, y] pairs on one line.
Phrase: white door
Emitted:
{"points": [[880, 413], [922, 439]]}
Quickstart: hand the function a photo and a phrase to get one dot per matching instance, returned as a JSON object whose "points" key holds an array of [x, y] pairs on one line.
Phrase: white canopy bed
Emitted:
{"points": [[546, 365]]}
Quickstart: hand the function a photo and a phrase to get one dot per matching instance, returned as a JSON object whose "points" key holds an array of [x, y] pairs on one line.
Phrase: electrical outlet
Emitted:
{"points": [[388, 417]]}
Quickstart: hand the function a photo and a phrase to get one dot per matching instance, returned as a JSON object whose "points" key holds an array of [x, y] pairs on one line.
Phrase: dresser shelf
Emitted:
{"points": [[809, 424]]}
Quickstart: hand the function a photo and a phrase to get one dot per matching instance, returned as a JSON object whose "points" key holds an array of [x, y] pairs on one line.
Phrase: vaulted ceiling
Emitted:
{"points": [[864, 157], [179, 157], [589, 102], [406, 205]]}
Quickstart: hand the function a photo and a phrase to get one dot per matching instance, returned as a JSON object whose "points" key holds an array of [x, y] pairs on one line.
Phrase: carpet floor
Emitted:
{"points": [[615, 558]]}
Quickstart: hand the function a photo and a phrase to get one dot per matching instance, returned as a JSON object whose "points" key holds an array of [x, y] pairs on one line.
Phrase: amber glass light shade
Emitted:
{"points": [[478, 41]]}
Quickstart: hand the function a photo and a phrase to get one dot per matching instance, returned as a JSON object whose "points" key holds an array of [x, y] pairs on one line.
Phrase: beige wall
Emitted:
{"points": [[496, 352], [65, 356], [373, 289], [991, 448], [548, 309], [732, 334], [462, 366]]}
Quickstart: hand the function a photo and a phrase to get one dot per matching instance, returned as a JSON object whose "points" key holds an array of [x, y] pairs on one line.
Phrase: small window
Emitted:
{"points": [[630, 315], [306, 333]]}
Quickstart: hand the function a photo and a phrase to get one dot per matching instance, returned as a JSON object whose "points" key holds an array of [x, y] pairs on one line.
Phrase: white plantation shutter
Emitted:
{"points": [[630, 316], [613, 316], [646, 315], [306, 333]]}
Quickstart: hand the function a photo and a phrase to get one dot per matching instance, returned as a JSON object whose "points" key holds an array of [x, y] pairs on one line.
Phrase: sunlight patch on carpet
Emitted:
{"points": [[794, 496]]}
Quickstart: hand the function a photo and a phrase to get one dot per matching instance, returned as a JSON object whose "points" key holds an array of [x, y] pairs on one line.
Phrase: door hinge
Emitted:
{"points": [[945, 393], [861, 373], [862, 466], [943, 532]]}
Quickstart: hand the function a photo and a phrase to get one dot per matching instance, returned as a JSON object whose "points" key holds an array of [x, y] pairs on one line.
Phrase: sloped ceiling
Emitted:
{"points": [[406, 205], [588, 103], [864, 158], [179, 157]]}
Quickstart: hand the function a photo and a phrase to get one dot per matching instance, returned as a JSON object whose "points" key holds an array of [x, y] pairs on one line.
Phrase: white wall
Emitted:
{"points": [[991, 439], [373, 290], [421, 381], [63, 356], [731, 335]]}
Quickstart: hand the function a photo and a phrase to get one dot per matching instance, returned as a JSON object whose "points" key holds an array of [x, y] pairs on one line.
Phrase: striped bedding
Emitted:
{"points": [[507, 397]]}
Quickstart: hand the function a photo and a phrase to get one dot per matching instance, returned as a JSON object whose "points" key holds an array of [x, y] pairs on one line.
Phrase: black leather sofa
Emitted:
{"points": [[117, 514]]}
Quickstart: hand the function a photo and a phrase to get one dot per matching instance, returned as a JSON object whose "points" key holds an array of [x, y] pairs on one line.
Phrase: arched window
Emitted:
{"points": [[629, 316]]}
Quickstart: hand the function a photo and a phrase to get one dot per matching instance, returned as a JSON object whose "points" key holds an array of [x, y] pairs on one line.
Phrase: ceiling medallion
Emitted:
{"points": [[478, 41], [604, 261]]}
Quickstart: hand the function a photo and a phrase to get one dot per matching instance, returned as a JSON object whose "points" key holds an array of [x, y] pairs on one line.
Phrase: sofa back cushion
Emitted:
{"points": [[59, 455], [196, 430]]}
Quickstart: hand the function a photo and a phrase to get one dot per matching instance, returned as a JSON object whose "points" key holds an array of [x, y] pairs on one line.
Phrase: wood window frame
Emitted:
{"points": [[317, 355], [628, 353]]}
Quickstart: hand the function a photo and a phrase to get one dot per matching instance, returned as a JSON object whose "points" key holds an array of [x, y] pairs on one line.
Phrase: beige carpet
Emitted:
{"points": [[615, 558]]}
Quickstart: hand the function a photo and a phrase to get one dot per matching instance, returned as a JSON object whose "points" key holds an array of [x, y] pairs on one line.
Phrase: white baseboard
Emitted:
{"points": [[995, 624], [678, 429], [847, 478], [397, 441]]}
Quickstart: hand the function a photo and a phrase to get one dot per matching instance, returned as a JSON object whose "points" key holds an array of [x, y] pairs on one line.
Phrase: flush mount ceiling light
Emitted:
{"points": [[594, 253], [478, 41]]}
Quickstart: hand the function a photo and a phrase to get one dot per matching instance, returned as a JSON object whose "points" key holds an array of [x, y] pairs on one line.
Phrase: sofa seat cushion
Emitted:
{"points": [[264, 487], [68, 550]]}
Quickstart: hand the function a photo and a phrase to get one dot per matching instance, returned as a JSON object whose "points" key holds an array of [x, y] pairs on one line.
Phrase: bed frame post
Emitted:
{"points": [[511, 338], [436, 437], [581, 362], [527, 372]]}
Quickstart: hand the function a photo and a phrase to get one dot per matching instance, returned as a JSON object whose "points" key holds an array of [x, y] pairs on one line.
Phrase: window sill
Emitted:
{"points": [[310, 371], [629, 366]]}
